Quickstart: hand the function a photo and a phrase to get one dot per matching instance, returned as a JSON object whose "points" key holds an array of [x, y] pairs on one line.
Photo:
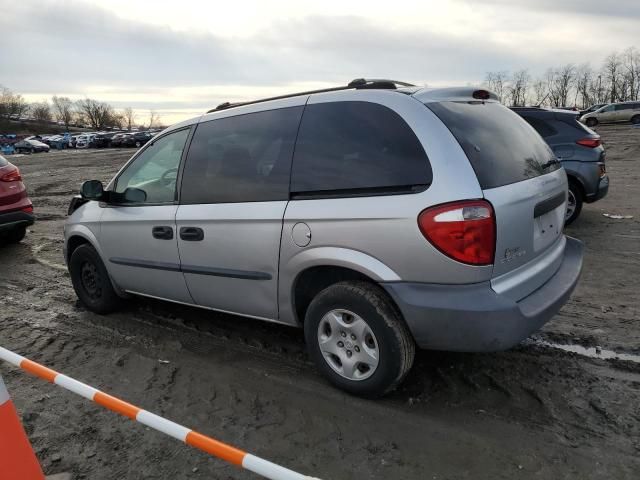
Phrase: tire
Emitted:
{"points": [[592, 122], [379, 334], [91, 281], [32, 151], [138, 144], [575, 201], [635, 120], [13, 236]]}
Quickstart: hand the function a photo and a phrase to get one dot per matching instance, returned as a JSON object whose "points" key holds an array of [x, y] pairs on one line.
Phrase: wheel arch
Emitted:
{"points": [[315, 269]]}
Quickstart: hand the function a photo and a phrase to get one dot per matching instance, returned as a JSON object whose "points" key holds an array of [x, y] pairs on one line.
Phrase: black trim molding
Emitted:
{"points": [[174, 267]]}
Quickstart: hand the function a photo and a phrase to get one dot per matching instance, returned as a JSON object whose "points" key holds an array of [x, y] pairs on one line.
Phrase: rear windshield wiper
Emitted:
{"points": [[544, 166]]}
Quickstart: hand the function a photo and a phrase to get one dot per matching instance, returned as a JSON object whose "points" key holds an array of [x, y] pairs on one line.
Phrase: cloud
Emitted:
{"points": [[79, 49], [627, 9]]}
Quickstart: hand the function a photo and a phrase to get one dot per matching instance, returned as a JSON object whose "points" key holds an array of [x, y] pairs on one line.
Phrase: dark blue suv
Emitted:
{"points": [[578, 148]]}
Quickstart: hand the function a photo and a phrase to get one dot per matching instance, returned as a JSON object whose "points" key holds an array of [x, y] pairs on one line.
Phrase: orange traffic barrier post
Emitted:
{"points": [[197, 440], [17, 460]]}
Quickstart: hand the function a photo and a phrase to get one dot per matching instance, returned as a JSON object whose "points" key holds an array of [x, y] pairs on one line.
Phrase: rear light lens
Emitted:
{"points": [[28, 209], [589, 142], [464, 231], [481, 95], [12, 176]]}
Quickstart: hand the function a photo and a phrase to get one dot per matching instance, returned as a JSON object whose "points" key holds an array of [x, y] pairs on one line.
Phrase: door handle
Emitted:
{"points": [[162, 233], [191, 234]]}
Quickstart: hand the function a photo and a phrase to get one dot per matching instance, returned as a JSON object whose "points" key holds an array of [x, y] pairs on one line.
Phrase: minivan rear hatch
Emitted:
{"points": [[521, 177]]}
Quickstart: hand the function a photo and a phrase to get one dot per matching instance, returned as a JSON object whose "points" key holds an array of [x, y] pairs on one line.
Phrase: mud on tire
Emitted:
{"points": [[91, 281], [388, 334]]}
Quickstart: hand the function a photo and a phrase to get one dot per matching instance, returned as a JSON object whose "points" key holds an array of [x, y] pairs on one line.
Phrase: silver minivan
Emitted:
{"points": [[614, 113], [377, 216]]}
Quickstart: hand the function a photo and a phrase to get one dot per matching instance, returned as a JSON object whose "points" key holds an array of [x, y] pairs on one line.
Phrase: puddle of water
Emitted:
{"points": [[591, 352]]}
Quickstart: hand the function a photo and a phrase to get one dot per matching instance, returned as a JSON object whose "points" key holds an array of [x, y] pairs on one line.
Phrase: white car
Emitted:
{"points": [[83, 141]]}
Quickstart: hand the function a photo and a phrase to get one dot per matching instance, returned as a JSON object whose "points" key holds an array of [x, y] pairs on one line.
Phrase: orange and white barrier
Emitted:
{"points": [[17, 459], [190, 437]]}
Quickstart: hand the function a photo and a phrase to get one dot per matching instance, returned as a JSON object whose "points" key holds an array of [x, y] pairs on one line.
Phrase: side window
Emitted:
{"points": [[540, 126], [246, 158], [155, 169], [607, 109], [353, 147]]}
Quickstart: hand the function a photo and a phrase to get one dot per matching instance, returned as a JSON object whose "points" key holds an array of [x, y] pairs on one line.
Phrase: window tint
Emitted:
{"points": [[543, 128], [246, 158], [623, 106], [608, 108], [356, 146], [155, 169], [499, 144]]}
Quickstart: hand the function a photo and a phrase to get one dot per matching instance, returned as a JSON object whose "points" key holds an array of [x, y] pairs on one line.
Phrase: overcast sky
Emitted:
{"points": [[183, 57]]}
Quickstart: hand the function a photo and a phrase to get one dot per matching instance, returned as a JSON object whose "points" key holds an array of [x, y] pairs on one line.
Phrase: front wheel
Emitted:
{"points": [[574, 203], [358, 339], [592, 122], [138, 144], [91, 281], [636, 120]]}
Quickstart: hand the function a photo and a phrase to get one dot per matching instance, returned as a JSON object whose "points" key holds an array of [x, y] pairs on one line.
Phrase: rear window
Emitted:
{"points": [[501, 146], [543, 128], [357, 148]]}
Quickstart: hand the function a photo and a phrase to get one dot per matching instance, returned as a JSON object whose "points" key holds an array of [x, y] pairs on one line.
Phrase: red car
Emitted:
{"points": [[16, 210]]}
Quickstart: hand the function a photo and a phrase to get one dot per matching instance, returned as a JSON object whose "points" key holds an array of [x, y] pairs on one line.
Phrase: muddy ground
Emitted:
{"points": [[533, 412]]}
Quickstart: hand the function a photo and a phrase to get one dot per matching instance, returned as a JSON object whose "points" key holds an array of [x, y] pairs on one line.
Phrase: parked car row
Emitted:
{"points": [[37, 143]]}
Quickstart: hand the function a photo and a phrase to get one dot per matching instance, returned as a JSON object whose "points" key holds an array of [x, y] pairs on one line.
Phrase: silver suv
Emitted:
{"points": [[377, 216]]}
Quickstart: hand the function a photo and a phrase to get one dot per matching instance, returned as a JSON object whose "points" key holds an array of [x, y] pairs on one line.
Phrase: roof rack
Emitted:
{"points": [[358, 84]]}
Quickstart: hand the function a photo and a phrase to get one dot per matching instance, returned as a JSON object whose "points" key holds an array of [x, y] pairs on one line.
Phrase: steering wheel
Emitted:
{"points": [[166, 180]]}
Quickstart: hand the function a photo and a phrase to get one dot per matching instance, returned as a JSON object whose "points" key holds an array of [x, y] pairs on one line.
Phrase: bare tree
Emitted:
{"points": [[497, 82], [154, 119], [583, 85], [611, 72], [518, 88], [63, 110], [12, 104], [540, 92], [97, 114], [129, 117], [41, 112], [631, 66], [565, 77]]}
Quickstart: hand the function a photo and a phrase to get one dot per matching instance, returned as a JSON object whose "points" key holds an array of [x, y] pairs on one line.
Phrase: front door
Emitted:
{"points": [[234, 192], [138, 236]]}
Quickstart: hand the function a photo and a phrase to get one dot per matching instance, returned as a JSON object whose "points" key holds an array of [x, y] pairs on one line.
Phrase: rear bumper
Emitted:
{"points": [[11, 220], [474, 318], [601, 192]]}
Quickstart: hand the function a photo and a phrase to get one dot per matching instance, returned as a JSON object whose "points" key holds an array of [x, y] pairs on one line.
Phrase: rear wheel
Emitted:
{"points": [[574, 202], [636, 120], [138, 144], [13, 236], [592, 122], [358, 339], [91, 281]]}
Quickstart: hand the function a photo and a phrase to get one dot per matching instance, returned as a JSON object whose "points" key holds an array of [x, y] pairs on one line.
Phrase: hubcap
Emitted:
{"points": [[348, 345], [571, 205], [91, 280]]}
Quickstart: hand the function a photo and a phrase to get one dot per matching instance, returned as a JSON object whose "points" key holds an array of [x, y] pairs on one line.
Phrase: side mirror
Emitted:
{"points": [[134, 195], [92, 190]]}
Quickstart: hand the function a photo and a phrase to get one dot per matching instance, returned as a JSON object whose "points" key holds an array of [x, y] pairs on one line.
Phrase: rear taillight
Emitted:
{"points": [[12, 176], [589, 142], [28, 209], [464, 231]]}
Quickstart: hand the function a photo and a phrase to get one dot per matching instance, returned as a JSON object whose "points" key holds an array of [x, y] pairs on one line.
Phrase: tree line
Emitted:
{"points": [[87, 112], [617, 79]]}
